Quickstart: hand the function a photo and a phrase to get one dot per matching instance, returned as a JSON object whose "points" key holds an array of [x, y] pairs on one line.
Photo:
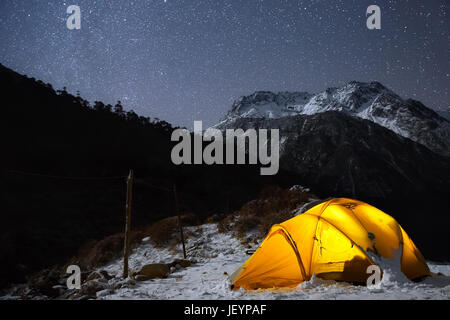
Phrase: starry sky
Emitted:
{"points": [[186, 60]]}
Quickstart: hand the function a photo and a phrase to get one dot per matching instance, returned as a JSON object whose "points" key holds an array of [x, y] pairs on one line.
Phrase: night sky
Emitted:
{"points": [[186, 60]]}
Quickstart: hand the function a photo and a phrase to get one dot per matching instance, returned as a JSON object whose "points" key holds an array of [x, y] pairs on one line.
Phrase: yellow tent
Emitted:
{"points": [[333, 240]]}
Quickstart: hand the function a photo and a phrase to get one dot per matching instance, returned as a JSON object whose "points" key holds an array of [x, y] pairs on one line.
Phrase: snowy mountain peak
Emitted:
{"points": [[372, 101], [268, 104], [352, 96]]}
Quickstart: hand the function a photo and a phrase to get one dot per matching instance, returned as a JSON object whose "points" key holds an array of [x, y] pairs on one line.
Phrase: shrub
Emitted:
{"points": [[96, 253], [225, 224], [274, 205], [162, 231]]}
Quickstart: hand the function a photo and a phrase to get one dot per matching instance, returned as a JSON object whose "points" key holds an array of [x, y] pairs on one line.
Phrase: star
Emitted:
{"points": [[191, 59]]}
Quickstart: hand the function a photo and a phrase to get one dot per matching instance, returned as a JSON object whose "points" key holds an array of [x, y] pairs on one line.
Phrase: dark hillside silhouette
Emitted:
{"points": [[63, 171]]}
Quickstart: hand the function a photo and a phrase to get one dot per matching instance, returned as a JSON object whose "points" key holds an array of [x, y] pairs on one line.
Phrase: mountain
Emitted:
{"points": [[341, 154], [336, 154], [371, 101]]}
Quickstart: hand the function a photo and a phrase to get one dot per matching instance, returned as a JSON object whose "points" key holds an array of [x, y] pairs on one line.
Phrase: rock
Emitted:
{"points": [[46, 288], [94, 276], [160, 270], [182, 263], [130, 282], [125, 283], [141, 278], [300, 188], [152, 271], [105, 292], [44, 283], [69, 295], [60, 289], [99, 275], [90, 288], [106, 275]]}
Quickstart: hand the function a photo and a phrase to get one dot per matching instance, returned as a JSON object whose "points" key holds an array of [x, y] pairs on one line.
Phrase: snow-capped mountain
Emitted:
{"points": [[362, 140], [371, 101], [335, 153]]}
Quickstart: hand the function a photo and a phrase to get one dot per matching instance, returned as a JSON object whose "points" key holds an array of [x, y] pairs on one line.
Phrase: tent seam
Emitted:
{"points": [[294, 246], [315, 232]]}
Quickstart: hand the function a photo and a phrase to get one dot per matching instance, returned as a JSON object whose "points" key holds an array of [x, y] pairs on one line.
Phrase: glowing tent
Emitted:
{"points": [[337, 240]]}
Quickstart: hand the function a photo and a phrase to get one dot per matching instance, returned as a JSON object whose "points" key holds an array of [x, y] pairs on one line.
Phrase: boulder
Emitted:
{"points": [[152, 271], [182, 263]]}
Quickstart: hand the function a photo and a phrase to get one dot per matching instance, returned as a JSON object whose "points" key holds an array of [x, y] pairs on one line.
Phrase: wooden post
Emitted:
{"points": [[179, 219], [128, 223]]}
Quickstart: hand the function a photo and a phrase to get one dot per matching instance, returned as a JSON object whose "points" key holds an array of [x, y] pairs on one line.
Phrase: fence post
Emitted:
{"points": [[128, 223], [179, 219]]}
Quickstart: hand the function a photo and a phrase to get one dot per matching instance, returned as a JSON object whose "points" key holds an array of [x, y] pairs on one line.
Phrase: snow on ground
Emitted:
{"points": [[219, 255]]}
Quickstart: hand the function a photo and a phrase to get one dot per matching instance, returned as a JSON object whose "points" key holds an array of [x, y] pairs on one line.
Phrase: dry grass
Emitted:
{"points": [[274, 205], [163, 231], [96, 253], [225, 224]]}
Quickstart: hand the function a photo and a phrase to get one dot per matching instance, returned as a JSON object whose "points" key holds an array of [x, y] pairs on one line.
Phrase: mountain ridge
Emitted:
{"points": [[310, 145], [372, 101]]}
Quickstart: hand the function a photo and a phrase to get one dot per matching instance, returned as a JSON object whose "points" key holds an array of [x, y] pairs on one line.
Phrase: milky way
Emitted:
{"points": [[186, 60]]}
